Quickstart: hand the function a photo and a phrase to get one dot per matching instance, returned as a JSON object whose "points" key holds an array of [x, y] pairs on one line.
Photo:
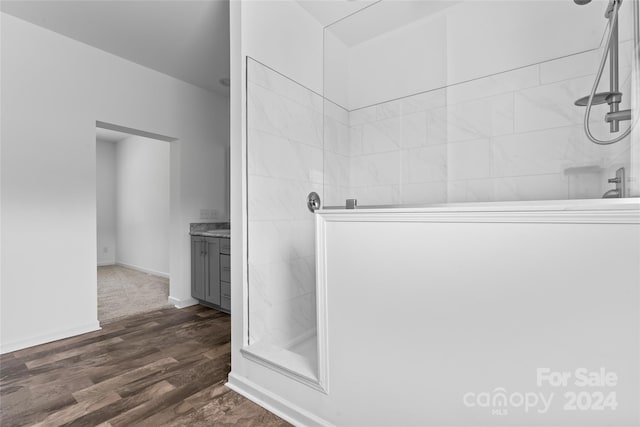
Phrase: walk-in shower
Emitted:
{"points": [[613, 97], [436, 116], [423, 103]]}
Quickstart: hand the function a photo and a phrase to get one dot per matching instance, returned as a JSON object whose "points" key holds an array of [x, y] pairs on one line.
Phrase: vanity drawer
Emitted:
{"points": [[225, 246], [225, 289], [225, 267]]}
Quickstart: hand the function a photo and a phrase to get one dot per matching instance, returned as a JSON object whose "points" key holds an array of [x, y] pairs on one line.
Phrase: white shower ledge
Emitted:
{"points": [[606, 211]]}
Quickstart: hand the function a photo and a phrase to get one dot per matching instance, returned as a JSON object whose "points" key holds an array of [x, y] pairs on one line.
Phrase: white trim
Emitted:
{"points": [[47, 338], [290, 371], [144, 270], [105, 263], [274, 403], [182, 303], [491, 213], [322, 310]]}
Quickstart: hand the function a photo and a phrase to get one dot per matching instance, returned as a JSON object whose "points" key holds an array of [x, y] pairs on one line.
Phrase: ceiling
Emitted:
{"points": [[327, 12], [188, 40], [356, 21]]}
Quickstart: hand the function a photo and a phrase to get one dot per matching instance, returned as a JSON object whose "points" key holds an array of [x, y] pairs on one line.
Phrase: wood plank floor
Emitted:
{"points": [[162, 368]]}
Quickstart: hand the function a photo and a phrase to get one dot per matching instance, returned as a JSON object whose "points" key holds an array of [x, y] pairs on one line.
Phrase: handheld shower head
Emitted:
{"points": [[582, 2]]}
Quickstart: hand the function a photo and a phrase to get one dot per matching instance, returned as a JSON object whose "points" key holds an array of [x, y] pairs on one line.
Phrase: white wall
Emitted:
{"points": [[53, 91], [106, 201], [143, 204]]}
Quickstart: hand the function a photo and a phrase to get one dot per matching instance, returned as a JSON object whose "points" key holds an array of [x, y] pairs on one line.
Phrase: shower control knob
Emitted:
{"points": [[313, 201], [615, 180]]}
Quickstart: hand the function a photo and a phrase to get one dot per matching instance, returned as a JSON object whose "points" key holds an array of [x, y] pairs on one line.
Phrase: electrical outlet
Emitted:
{"points": [[204, 213], [214, 214]]}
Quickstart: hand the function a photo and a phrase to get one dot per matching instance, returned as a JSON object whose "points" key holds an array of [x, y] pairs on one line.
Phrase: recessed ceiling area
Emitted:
{"points": [[188, 40], [354, 22], [328, 12]]}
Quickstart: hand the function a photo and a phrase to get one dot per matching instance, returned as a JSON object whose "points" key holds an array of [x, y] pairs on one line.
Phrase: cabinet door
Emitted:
{"points": [[213, 270], [198, 268]]}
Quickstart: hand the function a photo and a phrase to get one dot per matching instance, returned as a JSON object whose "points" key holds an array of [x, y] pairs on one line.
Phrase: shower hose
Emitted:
{"points": [[636, 54]]}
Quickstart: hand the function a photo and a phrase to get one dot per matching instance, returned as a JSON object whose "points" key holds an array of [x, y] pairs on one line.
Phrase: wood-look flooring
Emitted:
{"points": [[162, 368]]}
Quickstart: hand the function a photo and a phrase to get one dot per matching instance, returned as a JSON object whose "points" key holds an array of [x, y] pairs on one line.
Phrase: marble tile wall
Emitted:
{"points": [[285, 163], [512, 136]]}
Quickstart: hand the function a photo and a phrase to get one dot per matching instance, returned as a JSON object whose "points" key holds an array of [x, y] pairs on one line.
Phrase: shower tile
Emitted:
{"points": [[548, 151], [509, 81], [570, 67], [282, 281], [362, 116], [502, 114], [286, 321], [532, 187], [336, 195], [376, 169], [551, 106], [336, 136], [281, 241], [471, 120], [482, 118], [414, 130], [588, 185], [273, 199], [277, 157], [382, 136], [388, 110], [336, 112], [355, 140], [378, 195], [280, 116], [468, 160], [626, 54], [477, 190], [278, 84], [336, 169], [424, 101], [437, 126], [426, 164], [424, 193]]}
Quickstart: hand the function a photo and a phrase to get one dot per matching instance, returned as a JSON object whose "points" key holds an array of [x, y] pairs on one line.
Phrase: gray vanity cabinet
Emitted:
{"points": [[212, 294], [210, 271], [198, 268]]}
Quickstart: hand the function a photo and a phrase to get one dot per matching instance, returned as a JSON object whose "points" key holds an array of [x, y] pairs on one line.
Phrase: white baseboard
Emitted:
{"points": [[182, 303], [143, 269], [43, 339], [274, 403], [105, 263]]}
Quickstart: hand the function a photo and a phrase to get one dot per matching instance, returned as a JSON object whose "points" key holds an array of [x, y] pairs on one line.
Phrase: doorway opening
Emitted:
{"points": [[132, 221]]}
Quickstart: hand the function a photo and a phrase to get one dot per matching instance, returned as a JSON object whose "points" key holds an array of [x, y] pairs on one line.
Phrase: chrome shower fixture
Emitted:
{"points": [[613, 97]]}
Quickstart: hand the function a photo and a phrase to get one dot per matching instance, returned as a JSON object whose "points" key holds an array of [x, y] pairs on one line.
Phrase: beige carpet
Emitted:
{"points": [[123, 292]]}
